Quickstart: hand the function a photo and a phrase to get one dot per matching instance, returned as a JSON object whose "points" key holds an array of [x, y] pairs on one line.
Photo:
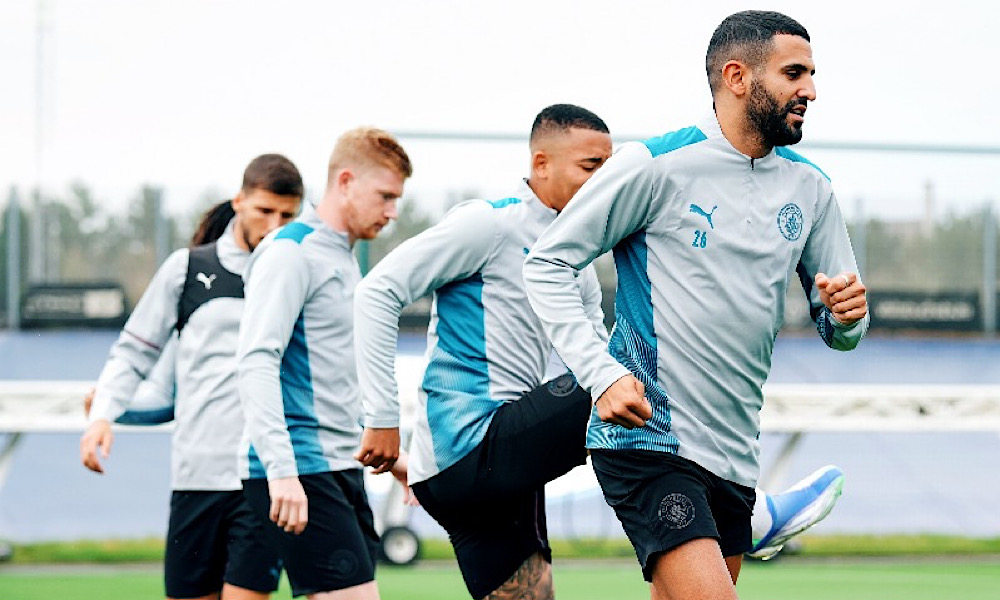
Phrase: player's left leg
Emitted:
{"points": [[537, 439], [501, 543], [334, 557], [532, 581], [780, 517]]}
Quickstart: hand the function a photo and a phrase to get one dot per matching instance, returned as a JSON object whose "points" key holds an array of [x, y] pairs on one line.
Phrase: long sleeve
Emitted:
{"points": [[828, 250], [276, 289], [141, 341], [153, 402], [593, 296], [611, 206], [452, 250]]}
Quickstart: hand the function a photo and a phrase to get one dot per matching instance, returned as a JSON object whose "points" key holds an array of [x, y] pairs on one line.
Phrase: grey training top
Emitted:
{"points": [[207, 414], [485, 345], [706, 242], [297, 378]]}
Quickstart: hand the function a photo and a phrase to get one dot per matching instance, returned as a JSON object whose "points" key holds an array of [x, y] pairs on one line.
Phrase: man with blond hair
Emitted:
{"points": [[297, 375]]}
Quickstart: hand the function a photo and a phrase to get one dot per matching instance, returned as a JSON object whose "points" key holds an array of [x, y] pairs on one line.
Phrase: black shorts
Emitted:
{"points": [[339, 545], [214, 538], [663, 501], [492, 501]]}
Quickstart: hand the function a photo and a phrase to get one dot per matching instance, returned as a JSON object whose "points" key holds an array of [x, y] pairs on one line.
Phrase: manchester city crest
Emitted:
{"points": [[676, 511], [790, 221]]}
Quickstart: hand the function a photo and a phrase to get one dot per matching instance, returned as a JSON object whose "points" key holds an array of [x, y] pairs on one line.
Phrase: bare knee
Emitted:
{"points": [[694, 570], [531, 581], [234, 592], [364, 591]]}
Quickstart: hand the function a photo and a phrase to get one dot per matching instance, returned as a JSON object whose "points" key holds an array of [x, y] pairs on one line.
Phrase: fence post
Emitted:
{"points": [[989, 271], [13, 261]]}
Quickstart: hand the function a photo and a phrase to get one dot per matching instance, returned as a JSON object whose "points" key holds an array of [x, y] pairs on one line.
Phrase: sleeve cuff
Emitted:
{"points": [[597, 391], [382, 422]]}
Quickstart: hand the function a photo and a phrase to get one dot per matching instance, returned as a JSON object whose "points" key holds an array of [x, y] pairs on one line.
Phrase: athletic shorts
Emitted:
{"points": [[339, 545], [663, 501], [214, 538], [492, 501]]}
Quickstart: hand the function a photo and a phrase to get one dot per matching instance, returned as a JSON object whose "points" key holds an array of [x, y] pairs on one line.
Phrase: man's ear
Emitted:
{"points": [[736, 78], [540, 164], [344, 178], [237, 201]]}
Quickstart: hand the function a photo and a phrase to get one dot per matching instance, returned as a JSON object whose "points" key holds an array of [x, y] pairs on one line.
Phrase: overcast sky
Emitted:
{"points": [[183, 93]]}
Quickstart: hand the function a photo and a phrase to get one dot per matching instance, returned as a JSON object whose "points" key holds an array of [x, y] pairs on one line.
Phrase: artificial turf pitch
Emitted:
{"points": [[582, 580]]}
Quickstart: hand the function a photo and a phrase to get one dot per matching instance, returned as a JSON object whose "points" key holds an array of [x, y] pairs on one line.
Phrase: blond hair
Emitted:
{"points": [[366, 147]]}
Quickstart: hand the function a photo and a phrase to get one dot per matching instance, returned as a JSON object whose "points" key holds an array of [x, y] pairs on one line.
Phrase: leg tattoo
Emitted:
{"points": [[531, 581]]}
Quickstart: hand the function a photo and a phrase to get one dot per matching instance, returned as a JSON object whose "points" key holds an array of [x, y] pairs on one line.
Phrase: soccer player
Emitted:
{"points": [[297, 374], [214, 543], [488, 437], [709, 226]]}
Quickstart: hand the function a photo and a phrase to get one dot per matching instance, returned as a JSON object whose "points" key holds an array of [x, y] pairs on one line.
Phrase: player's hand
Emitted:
{"points": [[844, 295], [400, 472], [98, 435], [88, 402], [289, 504], [379, 448], [625, 404]]}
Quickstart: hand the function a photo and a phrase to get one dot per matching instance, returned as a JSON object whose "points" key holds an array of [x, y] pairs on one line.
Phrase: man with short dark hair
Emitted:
{"points": [[488, 437], [298, 380], [709, 225], [214, 543]]}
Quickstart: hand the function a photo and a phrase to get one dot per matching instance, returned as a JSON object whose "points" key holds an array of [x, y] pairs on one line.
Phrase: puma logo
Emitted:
{"points": [[206, 279], [708, 215]]}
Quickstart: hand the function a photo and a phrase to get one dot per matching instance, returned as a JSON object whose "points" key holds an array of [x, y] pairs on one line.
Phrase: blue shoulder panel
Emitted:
{"points": [[294, 231], [504, 202], [793, 156], [674, 140]]}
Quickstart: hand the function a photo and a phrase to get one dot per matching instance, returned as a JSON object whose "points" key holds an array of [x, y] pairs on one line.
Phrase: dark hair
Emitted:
{"points": [[747, 36], [213, 223], [561, 117], [273, 173]]}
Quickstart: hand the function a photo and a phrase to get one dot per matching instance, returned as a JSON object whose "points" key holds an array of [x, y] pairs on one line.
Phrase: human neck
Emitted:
{"points": [[240, 236], [542, 195], [330, 211], [733, 121]]}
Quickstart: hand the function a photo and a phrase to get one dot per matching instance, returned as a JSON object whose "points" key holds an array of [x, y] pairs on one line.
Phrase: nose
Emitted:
{"points": [[808, 90], [273, 222], [391, 210]]}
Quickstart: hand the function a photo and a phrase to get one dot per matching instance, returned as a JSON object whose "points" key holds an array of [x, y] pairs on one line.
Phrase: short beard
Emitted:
{"points": [[246, 238], [769, 121]]}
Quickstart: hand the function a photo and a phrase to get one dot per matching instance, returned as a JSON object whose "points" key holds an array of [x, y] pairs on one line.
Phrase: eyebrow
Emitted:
{"points": [[799, 67], [595, 160]]}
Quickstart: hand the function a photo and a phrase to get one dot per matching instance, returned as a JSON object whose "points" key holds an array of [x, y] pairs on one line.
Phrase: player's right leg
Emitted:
{"points": [[334, 557], [195, 557]]}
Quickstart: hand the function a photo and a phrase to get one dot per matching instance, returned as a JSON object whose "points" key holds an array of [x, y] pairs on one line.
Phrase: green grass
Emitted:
{"points": [[151, 550], [783, 580]]}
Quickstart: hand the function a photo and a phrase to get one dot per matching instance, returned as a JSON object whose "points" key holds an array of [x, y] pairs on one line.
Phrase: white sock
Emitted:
{"points": [[760, 522]]}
